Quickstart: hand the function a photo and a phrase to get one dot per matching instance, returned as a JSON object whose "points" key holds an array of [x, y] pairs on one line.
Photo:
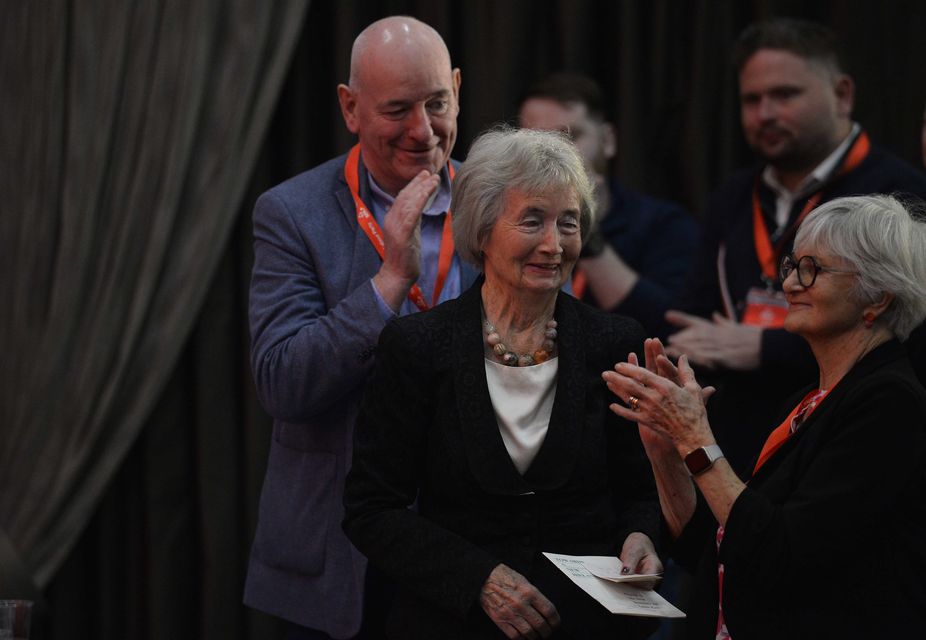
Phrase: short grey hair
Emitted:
{"points": [[885, 241], [505, 158]]}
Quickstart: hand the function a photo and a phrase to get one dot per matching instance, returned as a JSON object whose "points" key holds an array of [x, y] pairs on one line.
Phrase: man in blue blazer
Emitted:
{"points": [[338, 251]]}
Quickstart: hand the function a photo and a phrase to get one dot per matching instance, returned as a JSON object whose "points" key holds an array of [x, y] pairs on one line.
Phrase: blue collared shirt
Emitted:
{"points": [[432, 228]]}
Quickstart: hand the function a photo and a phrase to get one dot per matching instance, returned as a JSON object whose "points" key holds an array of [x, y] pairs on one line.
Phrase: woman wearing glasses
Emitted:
{"points": [[826, 538]]}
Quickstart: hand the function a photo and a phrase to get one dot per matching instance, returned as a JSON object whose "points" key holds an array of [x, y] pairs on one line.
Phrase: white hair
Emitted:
{"points": [[505, 158], [885, 242]]}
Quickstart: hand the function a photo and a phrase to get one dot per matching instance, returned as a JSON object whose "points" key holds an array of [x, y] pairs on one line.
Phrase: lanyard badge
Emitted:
{"points": [[767, 308]]}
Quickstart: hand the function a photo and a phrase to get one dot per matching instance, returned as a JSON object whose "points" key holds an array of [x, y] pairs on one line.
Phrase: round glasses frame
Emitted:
{"points": [[807, 269]]}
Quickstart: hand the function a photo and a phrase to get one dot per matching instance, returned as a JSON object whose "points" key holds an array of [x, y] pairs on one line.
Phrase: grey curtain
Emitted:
{"points": [[129, 131]]}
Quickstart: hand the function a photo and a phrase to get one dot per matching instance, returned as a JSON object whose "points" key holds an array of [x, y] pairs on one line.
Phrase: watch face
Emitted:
{"points": [[702, 458], [697, 461]]}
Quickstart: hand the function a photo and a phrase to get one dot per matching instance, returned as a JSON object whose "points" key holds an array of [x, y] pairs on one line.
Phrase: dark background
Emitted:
{"points": [[166, 553]]}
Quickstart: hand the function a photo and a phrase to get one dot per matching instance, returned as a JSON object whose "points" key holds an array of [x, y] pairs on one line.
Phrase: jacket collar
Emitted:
{"points": [[364, 261], [485, 450], [878, 357]]}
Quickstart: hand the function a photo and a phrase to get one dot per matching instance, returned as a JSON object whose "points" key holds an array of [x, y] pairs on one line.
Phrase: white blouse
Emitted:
{"points": [[523, 401]]}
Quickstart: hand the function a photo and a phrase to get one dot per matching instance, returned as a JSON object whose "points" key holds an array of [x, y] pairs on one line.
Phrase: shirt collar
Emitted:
{"points": [[440, 204], [818, 176]]}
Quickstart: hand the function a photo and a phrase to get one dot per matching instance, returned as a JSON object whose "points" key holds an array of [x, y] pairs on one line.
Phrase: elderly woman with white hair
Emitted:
{"points": [[826, 539], [489, 411]]}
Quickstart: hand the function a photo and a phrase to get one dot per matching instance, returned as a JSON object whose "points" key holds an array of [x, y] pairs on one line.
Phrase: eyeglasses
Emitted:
{"points": [[807, 269]]}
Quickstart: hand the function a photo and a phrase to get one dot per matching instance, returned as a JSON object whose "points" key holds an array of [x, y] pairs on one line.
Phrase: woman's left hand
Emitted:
{"points": [[638, 555], [671, 404]]}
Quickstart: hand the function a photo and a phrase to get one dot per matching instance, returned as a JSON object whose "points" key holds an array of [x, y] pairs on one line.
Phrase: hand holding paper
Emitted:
{"points": [[614, 590], [608, 568], [638, 555]]}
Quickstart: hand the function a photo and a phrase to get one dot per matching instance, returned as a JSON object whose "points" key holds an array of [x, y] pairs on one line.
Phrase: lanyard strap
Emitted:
{"points": [[369, 225], [579, 282], [769, 255]]}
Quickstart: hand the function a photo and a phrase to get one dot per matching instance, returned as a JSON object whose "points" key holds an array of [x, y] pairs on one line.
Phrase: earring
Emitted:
{"points": [[869, 318]]}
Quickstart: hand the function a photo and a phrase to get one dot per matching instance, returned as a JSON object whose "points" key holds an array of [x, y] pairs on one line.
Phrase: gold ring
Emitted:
{"points": [[634, 403]]}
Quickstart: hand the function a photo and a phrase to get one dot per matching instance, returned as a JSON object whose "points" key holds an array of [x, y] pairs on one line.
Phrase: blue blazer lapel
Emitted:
{"points": [[364, 260]]}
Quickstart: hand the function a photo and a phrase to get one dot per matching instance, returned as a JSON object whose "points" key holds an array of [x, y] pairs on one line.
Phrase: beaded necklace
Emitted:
{"points": [[512, 359]]}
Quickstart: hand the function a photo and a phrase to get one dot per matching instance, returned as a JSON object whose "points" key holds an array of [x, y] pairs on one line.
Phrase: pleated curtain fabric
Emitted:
{"points": [[129, 133]]}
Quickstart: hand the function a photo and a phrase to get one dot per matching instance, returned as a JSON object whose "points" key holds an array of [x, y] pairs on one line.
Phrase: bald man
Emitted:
{"points": [[338, 252]]}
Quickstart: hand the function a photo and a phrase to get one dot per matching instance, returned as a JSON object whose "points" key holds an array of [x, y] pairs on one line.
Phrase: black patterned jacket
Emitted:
{"points": [[427, 431]]}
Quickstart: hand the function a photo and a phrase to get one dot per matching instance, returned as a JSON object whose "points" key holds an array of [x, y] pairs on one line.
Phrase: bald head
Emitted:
{"points": [[397, 38], [402, 100]]}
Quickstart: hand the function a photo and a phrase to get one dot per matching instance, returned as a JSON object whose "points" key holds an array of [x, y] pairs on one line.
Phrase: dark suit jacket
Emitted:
{"points": [[314, 324], [827, 539], [427, 430], [657, 239]]}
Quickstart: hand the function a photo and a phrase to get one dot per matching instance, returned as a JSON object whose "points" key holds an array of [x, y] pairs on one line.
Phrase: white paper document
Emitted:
{"points": [[600, 577]]}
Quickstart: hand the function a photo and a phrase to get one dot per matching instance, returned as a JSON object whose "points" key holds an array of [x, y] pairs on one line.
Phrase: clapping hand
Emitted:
{"points": [[402, 239], [716, 343], [664, 399]]}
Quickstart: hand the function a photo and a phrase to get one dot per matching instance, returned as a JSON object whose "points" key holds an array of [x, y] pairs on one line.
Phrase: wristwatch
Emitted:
{"points": [[702, 459]]}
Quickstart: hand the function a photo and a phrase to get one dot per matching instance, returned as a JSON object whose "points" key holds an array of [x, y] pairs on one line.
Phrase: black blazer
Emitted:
{"points": [[427, 430], [827, 538]]}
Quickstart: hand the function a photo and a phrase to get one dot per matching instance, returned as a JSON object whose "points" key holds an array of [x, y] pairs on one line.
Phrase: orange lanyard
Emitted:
{"points": [[579, 282], [769, 255], [369, 225]]}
